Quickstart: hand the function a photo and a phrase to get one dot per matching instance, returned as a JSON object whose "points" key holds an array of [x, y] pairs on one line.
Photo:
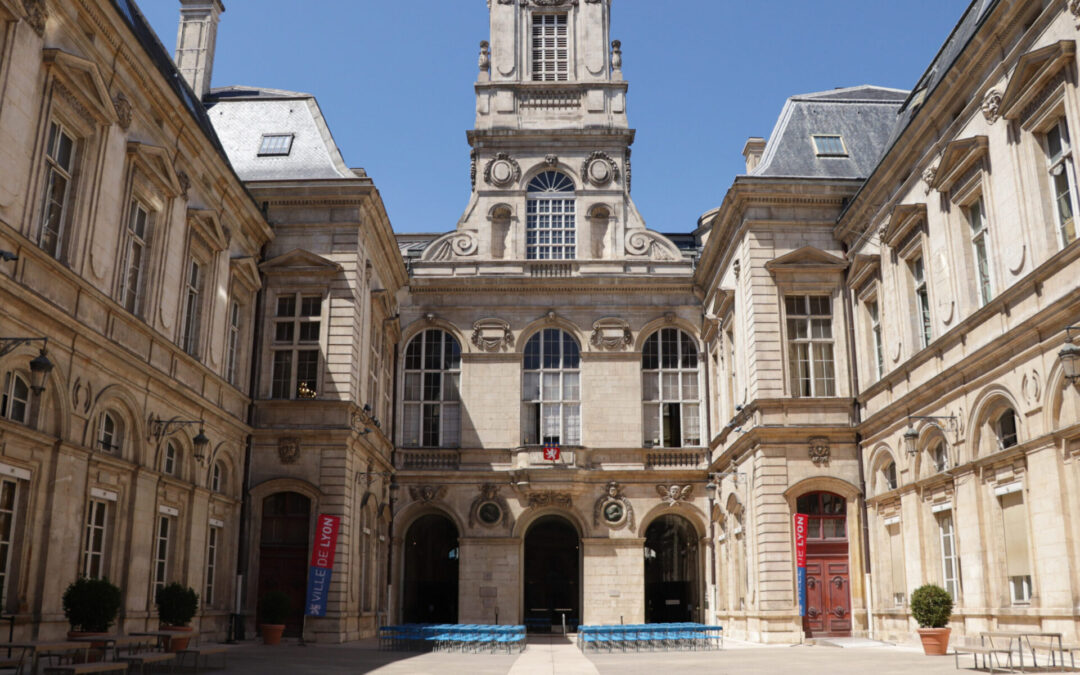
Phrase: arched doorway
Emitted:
{"points": [[552, 575], [671, 571], [828, 577], [283, 552], [431, 571]]}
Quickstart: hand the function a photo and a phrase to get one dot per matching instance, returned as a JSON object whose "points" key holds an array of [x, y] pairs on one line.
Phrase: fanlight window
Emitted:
{"points": [[551, 222], [669, 364], [552, 389], [432, 403]]}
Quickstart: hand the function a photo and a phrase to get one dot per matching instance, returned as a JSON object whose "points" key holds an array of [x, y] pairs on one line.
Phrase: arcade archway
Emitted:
{"points": [[431, 571], [672, 571], [283, 552], [552, 575]]}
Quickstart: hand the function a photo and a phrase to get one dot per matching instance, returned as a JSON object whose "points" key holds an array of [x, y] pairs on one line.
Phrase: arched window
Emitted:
{"points": [[217, 476], [551, 223], [1006, 429], [110, 433], [171, 461], [432, 404], [939, 455], [551, 394], [669, 363], [15, 404], [888, 476]]}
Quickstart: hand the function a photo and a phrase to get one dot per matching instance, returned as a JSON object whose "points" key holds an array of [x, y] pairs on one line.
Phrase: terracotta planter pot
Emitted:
{"points": [[935, 641], [181, 640], [97, 649], [272, 633]]}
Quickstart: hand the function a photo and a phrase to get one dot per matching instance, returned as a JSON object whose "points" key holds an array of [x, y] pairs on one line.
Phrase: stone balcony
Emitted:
{"points": [[571, 458]]}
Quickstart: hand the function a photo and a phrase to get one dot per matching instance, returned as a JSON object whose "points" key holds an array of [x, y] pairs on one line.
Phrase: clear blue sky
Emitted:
{"points": [[394, 80]]}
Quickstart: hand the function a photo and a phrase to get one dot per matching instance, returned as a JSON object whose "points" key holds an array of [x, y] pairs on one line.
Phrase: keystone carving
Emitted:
{"points": [[673, 495], [991, 106], [539, 500], [427, 493], [818, 450], [492, 335], [123, 110], [613, 508], [288, 449], [611, 334], [36, 15], [551, 160], [502, 170], [600, 169]]}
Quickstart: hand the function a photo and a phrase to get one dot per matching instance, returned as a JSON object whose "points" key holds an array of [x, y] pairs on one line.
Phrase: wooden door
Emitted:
{"points": [[828, 597]]}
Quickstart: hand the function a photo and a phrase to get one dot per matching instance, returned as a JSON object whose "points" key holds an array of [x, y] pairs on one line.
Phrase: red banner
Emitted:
{"points": [[801, 525], [552, 453], [326, 534]]}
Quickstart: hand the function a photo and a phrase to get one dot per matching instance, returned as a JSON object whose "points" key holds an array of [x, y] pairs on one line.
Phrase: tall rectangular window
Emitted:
{"points": [[161, 552], [231, 370], [192, 309], [59, 174], [896, 559], [135, 258], [950, 569], [297, 334], [874, 314], [976, 217], [211, 564], [1017, 558], [15, 398], [922, 301], [93, 565], [550, 48], [810, 345], [1063, 180], [8, 503]]}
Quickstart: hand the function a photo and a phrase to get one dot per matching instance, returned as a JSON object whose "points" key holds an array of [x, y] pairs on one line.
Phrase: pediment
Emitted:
{"points": [[807, 258], [246, 272], [959, 156], [207, 224], [904, 217], [83, 80], [1033, 71], [863, 268], [299, 262], [154, 163]]}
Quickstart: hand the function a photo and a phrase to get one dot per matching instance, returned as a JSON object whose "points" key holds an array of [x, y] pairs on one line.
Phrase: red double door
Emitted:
{"points": [[828, 596]]}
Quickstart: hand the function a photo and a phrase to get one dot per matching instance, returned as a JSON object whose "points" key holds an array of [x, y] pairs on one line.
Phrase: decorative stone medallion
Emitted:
{"points": [[600, 169], [991, 106], [673, 495], [502, 170], [611, 334], [489, 508], [613, 508], [492, 335], [818, 450], [288, 449]]}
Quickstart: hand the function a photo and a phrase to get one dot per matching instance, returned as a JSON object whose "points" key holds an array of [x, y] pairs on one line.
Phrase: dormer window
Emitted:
{"points": [[550, 48], [829, 145], [276, 145]]}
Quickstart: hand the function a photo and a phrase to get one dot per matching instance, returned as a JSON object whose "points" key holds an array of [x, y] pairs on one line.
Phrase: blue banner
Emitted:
{"points": [[318, 587], [802, 591]]}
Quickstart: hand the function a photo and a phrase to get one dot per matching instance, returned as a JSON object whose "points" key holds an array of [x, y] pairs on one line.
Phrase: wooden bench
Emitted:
{"points": [[80, 668], [147, 658], [203, 652], [989, 654]]}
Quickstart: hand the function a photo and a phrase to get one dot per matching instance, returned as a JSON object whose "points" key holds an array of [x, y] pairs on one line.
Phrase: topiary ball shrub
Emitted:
{"points": [[91, 605], [176, 604], [931, 606], [274, 607]]}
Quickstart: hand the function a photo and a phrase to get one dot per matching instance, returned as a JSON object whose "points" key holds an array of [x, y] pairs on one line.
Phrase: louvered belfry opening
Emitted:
{"points": [[550, 53]]}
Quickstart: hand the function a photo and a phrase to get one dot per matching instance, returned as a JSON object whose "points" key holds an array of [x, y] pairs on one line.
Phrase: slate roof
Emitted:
{"points": [[863, 116]]}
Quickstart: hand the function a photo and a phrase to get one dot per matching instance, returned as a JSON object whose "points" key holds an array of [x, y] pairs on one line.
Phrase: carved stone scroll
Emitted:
{"points": [[611, 334], [492, 335]]}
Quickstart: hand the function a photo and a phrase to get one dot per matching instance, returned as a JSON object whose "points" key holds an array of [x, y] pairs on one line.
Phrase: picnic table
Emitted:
{"points": [[52, 648], [115, 642], [1022, 636]]}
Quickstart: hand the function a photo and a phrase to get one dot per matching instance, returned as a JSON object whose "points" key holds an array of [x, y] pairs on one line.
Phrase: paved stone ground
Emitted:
{"points": [[557, 656]]}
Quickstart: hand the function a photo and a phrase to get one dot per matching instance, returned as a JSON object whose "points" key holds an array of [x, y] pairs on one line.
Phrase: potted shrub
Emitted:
{"points": [[91, 606], [274, 608], [931, 606], [177, 604]]}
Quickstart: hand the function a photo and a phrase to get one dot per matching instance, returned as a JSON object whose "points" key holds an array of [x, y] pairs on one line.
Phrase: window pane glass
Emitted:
{"points": [[651, 391], [286, 306], [307, 368], [571, 387], [411, 426], [412, 386], [451, 426]]}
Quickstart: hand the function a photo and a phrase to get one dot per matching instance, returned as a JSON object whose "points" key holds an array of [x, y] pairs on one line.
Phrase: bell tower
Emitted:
{"points": [[550, 150]]}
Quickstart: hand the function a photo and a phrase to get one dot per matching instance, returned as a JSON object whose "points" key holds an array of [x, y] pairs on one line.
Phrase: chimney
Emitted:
{"points": [[195, 42], [752, 151]]}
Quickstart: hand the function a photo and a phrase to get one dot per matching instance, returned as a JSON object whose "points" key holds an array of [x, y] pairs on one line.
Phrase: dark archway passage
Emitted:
{"points": [[552, 575], [828, 575], [283, 552], [431, 571], [672, 576]]}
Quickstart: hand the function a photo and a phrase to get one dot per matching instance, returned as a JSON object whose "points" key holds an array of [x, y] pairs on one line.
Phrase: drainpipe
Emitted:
{"points": [[856, 416]]}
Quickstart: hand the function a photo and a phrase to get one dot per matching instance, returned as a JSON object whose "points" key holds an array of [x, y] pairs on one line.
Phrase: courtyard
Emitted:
{"points": [[555, 655]]}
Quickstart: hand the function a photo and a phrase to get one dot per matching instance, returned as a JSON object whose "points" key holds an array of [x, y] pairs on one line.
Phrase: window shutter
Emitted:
{"points": [[1014, 518]]}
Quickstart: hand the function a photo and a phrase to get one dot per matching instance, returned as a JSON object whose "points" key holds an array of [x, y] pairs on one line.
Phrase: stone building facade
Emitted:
{"points": [[551, 414]]}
